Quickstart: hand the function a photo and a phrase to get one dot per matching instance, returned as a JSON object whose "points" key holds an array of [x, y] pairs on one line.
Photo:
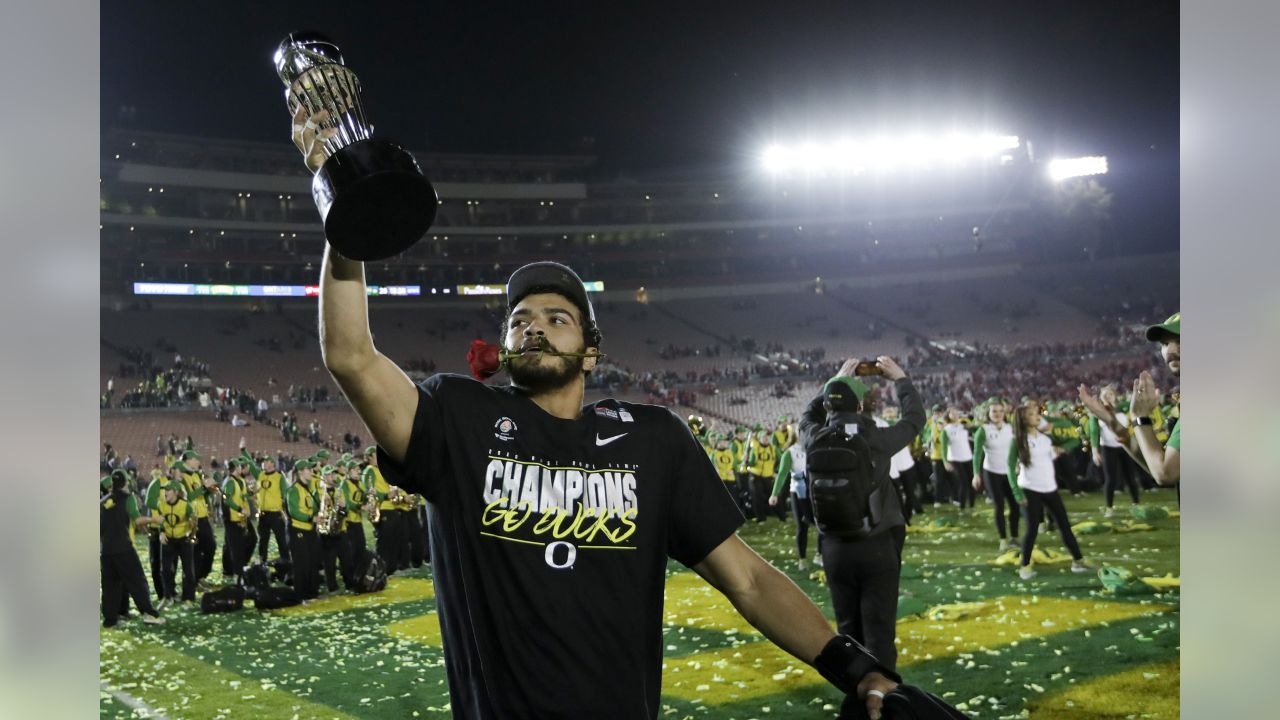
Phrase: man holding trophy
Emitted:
{"points": [[531, 629]]}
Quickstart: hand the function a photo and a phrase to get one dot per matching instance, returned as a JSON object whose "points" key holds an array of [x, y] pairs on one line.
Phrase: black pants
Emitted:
{"points": [[390, 539], [1066, 470], [1118, 468], [942, 483], [731, 487], [1038, 504], [964, 482], [744, 495], [333, 551], [784, 498], [803, 510], [234, 555], [415, 536], [760, 487], [206, 548], [122, 578], [355, 548], [304, 548], [250, 541], [909, 480], [1001, 495], [171, 553], [863, 579], [272, 523], [157, 564]]}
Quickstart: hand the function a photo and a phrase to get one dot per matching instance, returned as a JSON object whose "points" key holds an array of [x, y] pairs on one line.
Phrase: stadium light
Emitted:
{"points": [[847, 156], [1063, 168]]}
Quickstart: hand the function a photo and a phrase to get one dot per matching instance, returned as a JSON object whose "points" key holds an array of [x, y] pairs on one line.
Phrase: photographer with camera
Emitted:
{"points": [[855, 504]]}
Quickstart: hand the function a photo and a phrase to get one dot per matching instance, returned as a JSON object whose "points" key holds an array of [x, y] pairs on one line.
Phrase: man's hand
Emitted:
{"points": [[950, 468], [1097, 457], [1095, 405], [1145, 396], [890, 368], [309, 138], [872, 689], [164, 539], [977, 483], [773, 501]]}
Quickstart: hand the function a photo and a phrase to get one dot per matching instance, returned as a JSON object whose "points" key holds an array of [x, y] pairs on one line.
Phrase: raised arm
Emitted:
{"points": [[379, 391], [253, 464], [381, 394], [812, 419], [1163, 462], [894, 438]]}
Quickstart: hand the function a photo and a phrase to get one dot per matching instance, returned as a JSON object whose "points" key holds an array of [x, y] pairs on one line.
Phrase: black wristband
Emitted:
{"points": [[844, 662], [1144, 421]]}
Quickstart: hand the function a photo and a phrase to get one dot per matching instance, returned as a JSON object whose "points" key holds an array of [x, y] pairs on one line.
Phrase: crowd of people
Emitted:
{"points": [[156, 385], [315, 509], [1015, 425]]}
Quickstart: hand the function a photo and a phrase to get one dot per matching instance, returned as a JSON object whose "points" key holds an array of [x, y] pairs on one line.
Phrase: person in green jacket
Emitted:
{"points": [[990, 468], [235, 498], [304, 543], [791, 471]]}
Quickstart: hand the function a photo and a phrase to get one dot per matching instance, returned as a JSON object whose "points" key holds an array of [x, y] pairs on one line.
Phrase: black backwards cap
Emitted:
{"points": [[552, 277]]}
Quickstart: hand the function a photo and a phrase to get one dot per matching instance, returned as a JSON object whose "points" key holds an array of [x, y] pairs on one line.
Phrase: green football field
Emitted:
{"points": [[970, 631]]}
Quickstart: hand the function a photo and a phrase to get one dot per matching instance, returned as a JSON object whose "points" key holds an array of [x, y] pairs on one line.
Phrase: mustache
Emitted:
{"points": [[1175, 357], [544, 346]]}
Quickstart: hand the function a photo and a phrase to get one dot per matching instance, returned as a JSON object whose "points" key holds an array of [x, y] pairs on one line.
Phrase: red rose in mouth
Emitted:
{"points": [[484, 358]]}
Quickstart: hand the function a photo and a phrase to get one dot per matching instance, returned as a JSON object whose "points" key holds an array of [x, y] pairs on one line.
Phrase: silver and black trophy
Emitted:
{"points": [[372, 196]]}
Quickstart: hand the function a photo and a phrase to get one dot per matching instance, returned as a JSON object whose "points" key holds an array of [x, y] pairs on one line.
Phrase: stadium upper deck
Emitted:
{"points": [[205, 210]]}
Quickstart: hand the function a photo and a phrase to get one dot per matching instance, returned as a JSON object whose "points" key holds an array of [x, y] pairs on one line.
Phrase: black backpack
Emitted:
{"points": [[257, 577], [227, 599], [272, 598], [371, 573], [841, 480], [281, 570]]}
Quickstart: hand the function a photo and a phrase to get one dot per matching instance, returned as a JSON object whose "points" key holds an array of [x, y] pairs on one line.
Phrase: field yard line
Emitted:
{"points": [[134, 703]]}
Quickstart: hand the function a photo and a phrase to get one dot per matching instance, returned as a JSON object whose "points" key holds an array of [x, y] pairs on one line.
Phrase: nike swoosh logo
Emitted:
{"points": [[601, 442]]}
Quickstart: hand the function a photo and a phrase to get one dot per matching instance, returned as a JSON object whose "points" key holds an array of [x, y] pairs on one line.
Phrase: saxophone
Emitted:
{"points": [[328, 520], [371, 510]]}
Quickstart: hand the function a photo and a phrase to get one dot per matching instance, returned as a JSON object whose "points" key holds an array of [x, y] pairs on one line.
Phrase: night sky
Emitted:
{"points": [[664, 86]]}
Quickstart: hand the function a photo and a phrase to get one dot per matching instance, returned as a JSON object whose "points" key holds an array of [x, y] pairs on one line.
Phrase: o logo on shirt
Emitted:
{"points": [[571, 554]]}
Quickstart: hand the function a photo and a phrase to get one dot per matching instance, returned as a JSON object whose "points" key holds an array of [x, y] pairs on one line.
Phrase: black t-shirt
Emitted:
{"points": [[549, 544]]}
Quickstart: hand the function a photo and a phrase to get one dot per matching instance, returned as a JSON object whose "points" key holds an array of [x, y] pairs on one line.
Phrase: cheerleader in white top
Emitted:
{"points": [[957, 454], [1109, 454], [1032, 480], [991, 445]]}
